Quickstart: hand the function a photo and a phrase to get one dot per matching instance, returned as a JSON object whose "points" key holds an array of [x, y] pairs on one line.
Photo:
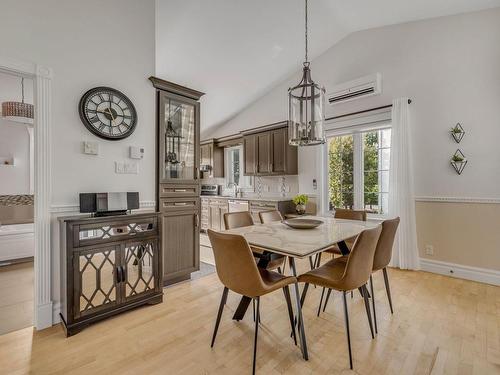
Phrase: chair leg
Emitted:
{"points": [[346, 316], [219, 314], [373, 305], [302, 300], [352, 295], [253, 307], [388, 288], [279, 270], [327, 298], [367, 307], [311, 264], [286, 291], [256, 334], [321, 300]]}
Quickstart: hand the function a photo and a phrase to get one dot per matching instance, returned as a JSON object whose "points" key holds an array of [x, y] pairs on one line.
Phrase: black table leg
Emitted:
{"points": [[344, 249], [302, 333], [239, 314]]}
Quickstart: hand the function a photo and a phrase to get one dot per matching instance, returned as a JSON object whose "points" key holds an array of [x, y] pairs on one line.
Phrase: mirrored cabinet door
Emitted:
{"points": [[178, 138]]}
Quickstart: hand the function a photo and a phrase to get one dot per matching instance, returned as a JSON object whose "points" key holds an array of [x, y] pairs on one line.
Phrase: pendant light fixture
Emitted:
{"points": [[18, 111], [306, 103]]}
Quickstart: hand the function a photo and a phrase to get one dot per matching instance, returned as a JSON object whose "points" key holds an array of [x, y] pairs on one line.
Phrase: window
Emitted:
{"points": [[233, 160], [358, 171]]}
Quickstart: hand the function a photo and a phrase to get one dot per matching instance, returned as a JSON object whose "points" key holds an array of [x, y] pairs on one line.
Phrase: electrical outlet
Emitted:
{"points": [[429, 249]]}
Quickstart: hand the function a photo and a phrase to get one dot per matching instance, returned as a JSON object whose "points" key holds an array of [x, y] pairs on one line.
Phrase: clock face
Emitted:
{"points": [[107, 113]]}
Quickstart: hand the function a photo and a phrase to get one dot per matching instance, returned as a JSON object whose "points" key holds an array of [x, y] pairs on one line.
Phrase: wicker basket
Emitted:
{"points": [[17, 109]]}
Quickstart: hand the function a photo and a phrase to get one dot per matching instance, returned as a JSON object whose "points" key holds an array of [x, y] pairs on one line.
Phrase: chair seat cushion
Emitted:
{"points": [[273, 281], [329, 275]]}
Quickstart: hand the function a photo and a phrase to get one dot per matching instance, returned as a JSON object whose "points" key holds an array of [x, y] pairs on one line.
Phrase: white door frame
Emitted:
{"points": [[42, 77]]}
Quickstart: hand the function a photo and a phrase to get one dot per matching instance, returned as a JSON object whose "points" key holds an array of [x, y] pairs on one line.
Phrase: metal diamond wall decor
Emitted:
{"points": [[458, 161], [457, 132]]}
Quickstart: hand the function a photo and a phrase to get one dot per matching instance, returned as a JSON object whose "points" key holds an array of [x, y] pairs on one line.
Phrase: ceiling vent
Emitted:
{"points": [[356, 89]]}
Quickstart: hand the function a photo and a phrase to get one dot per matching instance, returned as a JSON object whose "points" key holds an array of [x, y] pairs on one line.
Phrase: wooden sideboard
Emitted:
{"points": [[108, 265]]}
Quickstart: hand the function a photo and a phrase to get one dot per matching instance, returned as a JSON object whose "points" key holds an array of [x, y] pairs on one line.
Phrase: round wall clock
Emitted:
{"points": [[107, 113]]}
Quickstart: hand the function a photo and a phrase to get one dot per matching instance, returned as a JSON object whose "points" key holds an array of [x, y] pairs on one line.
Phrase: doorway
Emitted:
{"points": [[17, 238]]}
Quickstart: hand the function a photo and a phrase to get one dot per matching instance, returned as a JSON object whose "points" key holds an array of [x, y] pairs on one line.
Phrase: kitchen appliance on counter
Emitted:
{"points": [[210, 190], [108, 204]]}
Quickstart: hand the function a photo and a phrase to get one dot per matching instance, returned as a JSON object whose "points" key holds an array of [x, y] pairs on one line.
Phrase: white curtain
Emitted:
{"points": [[401, 197]]}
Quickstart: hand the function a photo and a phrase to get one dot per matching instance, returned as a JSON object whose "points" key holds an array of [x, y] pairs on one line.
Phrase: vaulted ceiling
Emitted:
{"points": [[236, 50]]}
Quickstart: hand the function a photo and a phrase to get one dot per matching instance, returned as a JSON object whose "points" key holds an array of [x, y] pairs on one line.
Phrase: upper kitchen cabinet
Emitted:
{"points": [[267, 152], [211, 159], [178, 132]]}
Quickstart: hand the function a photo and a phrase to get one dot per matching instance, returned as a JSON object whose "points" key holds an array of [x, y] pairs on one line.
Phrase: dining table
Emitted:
{"points": [[273, 239]]}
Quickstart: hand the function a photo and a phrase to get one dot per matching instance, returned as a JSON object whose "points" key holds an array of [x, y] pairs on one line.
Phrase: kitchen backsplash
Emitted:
{"points": [[270, 186]]}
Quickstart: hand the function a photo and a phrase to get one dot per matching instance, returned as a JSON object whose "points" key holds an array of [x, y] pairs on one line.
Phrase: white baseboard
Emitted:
{"points": [[483, 275], [43, 317], [56, 309]]}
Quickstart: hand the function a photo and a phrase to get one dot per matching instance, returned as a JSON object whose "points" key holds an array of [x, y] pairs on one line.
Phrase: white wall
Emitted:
{"points": [[449, 67], [14, 138], [87, 44]]}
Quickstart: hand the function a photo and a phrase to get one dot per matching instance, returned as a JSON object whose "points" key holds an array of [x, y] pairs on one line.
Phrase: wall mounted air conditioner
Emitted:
{"points": [[356, 89]]}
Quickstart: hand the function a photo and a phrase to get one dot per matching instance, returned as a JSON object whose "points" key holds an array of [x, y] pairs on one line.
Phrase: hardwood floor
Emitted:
{"points": [[441, 325], [16, 297]]}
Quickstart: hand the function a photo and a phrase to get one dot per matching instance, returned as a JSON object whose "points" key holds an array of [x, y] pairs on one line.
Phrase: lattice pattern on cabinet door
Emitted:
{"points": [[97, 279], [139, 263]]}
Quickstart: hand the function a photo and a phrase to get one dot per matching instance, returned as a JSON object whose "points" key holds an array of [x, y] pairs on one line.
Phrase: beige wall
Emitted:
{"points": [[462, 233]]}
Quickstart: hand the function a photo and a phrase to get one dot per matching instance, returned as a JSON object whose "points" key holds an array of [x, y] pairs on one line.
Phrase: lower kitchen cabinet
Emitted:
{"points": [[212, 213], [181, 243]]}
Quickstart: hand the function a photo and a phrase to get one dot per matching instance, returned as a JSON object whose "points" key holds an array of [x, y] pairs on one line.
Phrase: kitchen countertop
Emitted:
{"points": [[250, 199]]}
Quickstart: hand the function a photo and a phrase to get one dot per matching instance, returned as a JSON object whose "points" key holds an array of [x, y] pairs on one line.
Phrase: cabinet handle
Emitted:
{"points": [[180, 204], [196, 220], [123, 274], [180, 190], [119, 274]]}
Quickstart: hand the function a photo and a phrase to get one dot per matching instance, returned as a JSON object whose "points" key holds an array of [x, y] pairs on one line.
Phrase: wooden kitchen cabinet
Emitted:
{"points": [[212, 213], [178, 161], [211, 159], [181, 239], [267, 152], [264, 153], [250, 155]]}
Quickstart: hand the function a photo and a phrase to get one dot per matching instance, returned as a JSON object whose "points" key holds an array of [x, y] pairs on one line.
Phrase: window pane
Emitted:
{"points": [[376, 159], [340, 171]]}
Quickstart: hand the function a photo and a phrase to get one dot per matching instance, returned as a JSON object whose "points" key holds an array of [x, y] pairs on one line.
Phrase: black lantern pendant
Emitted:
{"points": [[172, 140], [306, 104]]}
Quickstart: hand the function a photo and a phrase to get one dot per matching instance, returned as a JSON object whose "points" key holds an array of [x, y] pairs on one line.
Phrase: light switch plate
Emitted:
{"points": [[136, 152], [90, 148]]}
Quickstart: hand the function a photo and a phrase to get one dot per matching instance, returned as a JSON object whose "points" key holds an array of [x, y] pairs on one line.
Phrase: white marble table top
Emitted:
{"points": [[279, 238]]}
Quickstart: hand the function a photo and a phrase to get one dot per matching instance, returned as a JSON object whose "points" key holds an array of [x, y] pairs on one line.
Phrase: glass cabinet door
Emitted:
{"points": [[178, 138]]}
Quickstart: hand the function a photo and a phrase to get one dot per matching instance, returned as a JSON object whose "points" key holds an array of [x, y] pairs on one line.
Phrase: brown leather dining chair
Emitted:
{"points": [[269, 217], [346, 214], [244, 219], [383, 254], [238, 272], [348, 274]]}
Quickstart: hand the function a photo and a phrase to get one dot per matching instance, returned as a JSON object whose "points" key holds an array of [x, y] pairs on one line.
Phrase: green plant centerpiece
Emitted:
{"points": [[457, 158], [300, 202]]}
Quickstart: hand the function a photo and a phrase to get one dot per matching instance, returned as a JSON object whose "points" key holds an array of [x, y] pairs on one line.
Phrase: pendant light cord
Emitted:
{"points": [[306, 61], [22, 88]]}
